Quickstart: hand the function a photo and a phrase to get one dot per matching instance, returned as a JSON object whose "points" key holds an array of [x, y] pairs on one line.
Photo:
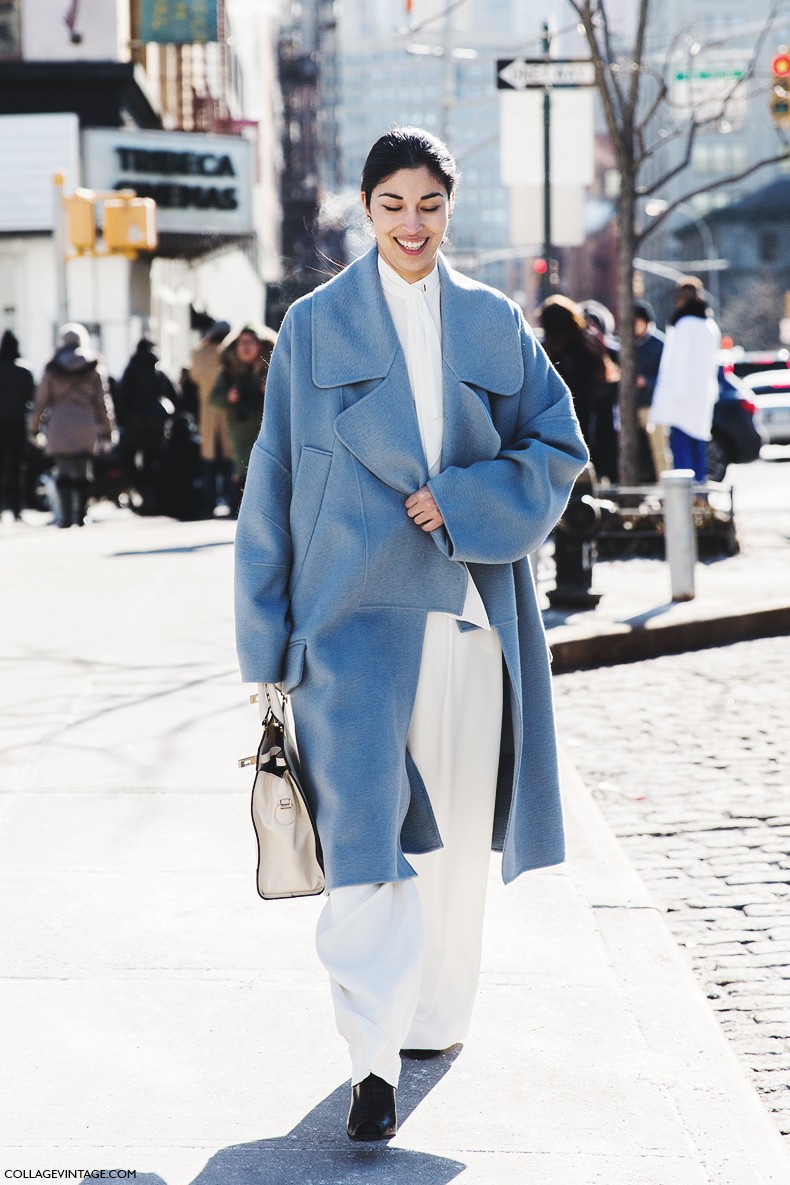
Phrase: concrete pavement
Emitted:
{"points": [[160, 1018]]}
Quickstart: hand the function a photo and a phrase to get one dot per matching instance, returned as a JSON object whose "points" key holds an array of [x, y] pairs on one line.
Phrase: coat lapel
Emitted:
{"points": [[470, 362], [354, 342], [382, 432]]}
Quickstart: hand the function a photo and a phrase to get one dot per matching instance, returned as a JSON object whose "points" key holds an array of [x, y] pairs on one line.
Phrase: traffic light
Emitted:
{"points": [[780, 88], [130, 225], [81, 220], [540, 267]]}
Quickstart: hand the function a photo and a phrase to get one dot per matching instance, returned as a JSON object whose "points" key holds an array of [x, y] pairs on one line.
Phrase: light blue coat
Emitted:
{"points": [[334, 581]]}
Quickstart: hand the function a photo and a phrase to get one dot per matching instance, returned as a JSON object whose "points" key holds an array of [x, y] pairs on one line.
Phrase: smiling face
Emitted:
{"points": [[409, 210]]}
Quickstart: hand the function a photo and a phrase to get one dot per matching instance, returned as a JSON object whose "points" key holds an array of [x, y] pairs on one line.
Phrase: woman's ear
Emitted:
{"points": [[451, 204], [364, 201]]}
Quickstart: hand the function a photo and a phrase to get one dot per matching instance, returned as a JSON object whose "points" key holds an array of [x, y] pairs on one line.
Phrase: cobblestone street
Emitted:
{"points": [[686, 756]]}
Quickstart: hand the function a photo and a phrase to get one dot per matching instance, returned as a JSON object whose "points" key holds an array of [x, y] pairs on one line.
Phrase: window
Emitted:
{"points": [[720, 156], [10, 41]]}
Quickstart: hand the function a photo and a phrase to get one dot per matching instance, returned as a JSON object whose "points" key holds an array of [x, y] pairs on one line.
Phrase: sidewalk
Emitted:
{"points": [[159, 1017], [737, 598]]}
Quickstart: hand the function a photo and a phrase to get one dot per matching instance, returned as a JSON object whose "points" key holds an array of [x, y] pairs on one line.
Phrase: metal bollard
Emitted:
{"points": [[679, 534]]}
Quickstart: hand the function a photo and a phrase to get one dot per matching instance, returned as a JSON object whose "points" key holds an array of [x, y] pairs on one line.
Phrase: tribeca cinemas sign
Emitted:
{"points": [[201, 184], [205, 180]]}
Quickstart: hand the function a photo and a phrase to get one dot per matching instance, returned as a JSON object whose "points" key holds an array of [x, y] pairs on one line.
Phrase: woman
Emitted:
{"points": [[416, 447], [578, 356], [239, 390], [77, 415]]}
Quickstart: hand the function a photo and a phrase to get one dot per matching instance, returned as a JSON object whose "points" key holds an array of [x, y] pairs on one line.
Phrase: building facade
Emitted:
{"points": [[193, 125]]}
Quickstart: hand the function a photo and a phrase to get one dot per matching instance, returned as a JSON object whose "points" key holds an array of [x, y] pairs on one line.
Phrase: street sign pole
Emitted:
{"points": [[545, 282], [545, 74]]}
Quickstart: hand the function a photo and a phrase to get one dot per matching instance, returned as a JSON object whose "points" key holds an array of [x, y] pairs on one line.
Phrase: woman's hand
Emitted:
{"points": [[233, 395], [422, 509]]}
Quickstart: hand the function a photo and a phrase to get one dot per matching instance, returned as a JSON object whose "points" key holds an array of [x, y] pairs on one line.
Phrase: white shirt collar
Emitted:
{"points": [[397, 285]]}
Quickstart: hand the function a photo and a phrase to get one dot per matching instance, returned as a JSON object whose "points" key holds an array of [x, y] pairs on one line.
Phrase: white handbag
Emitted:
{"points": [[289, 850]]}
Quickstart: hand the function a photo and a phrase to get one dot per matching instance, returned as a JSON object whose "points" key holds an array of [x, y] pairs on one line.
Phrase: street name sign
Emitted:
{"points": [[519, 74]]}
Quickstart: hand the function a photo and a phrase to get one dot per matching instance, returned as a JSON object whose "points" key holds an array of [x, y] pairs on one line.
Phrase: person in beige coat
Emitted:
{"points": [[75, 411], [214, 437]]}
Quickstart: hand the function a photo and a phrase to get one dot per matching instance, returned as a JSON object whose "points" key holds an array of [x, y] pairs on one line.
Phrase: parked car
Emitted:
{"points": [[770, 391], [742, 362], [735, 439]]}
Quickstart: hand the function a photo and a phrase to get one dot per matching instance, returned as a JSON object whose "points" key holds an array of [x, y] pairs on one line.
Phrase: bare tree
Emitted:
{"points": [[643, 115]]}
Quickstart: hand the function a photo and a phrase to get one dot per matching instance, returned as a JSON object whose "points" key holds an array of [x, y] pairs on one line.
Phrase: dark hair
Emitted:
{"points": [[561, 317], [408, 148], [644, 310], [9, 347]]}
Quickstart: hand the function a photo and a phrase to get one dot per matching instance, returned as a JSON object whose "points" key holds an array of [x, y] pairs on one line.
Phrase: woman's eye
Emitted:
{"points": [[392, 209], [430, 209]]}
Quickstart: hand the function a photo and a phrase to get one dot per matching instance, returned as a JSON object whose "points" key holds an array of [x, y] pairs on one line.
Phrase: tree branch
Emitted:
{"points": [[720, 181], [639, 49], [604, 82], [673, 172]]}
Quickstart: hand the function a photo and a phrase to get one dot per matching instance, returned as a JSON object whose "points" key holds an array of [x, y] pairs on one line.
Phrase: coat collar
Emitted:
{"points": [[354, 339]]}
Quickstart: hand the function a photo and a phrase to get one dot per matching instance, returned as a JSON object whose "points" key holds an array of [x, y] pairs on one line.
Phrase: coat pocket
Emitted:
{"points": [[308, 494]]}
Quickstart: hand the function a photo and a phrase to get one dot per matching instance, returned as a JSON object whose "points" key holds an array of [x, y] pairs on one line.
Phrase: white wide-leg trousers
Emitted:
{"points": [[404, 958]]}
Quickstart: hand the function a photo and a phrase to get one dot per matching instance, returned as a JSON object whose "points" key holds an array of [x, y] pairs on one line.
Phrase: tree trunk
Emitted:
{"points": [[626, 249]]}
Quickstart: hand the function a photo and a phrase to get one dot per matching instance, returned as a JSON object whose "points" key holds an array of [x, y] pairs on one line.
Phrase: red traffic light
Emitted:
{"points": [[780, 66], [540, 267]]}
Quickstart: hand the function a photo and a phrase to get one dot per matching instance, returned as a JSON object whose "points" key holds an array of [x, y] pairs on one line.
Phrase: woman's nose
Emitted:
{"points": [[412, 221]]}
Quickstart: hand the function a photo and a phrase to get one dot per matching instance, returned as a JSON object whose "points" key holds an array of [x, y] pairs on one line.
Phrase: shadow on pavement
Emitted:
{"points": [[318, 1152], [115, 555], [643, 618]]}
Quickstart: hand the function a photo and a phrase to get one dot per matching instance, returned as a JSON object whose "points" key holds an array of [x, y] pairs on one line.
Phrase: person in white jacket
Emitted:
{"points": [[687, 385]]}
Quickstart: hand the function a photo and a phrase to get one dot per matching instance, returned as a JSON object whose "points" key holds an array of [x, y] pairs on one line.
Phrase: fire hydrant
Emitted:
{"points": [[574, 547]]}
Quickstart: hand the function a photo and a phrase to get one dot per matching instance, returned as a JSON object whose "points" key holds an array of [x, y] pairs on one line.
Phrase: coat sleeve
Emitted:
{"points": [[498, 511], [263, 536]]}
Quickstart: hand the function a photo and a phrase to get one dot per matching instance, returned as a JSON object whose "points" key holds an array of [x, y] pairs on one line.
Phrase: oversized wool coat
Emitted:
{"points": [[334, 580]]}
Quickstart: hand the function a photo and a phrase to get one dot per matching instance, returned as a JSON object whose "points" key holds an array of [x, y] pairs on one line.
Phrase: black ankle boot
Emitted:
{"points": [[372, 1115]]}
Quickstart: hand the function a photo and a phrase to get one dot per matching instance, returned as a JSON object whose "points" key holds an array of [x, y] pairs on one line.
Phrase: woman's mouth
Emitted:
{"points": [[412, 246]]}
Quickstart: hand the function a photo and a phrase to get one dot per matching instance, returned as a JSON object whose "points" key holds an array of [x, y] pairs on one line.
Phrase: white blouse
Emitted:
{"points": [[416, 313]]}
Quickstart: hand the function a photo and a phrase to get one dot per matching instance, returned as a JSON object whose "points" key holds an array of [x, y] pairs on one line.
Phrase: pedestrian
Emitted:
{"points": [[148, 399], [213, 420], [16, 396], [576, 353], [239, 389], [180, 495], [649, 343], [188, 399], [75, 411], [605, 420], [416, 447], [687, 384]]}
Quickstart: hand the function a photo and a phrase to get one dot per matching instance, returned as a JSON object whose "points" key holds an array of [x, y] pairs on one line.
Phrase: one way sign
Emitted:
{"points": [[519, 74]]}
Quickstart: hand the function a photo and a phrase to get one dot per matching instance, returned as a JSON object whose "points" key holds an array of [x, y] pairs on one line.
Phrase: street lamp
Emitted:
{"points": [[658, 205]]}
